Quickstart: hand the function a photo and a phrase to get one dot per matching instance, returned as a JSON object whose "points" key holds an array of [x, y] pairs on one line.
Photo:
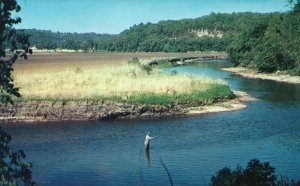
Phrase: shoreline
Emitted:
{"points": [[254, 74], [44, 111]]}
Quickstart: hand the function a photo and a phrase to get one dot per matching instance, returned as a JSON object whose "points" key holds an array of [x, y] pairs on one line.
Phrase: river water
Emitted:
{"points": [[190, 149]]}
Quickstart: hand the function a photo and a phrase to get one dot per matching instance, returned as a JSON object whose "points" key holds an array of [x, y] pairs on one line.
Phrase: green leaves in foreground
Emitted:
{"points": [[256, 173], [14, 170]]}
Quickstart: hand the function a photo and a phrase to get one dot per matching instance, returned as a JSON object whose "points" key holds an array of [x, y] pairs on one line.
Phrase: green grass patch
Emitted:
{"points": [[151, 99], [164, 63], [214, 93]]}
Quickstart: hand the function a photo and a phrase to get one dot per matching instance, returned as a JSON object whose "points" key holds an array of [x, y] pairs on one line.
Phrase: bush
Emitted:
{"points": [[147, 68], [295, 71], [256, 173], [134, 61], [164, 63]]}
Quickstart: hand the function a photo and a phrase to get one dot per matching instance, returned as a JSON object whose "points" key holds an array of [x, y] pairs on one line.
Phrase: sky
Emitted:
{"points": [[114, 16]]}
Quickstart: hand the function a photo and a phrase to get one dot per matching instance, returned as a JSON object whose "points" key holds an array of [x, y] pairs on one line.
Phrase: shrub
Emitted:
{"points": [[134, 61], [147, 68], [164, 63], [256, 174]]}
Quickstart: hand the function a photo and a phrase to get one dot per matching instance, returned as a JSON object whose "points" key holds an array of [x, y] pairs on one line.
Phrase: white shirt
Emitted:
{"points": [[147, 139]]}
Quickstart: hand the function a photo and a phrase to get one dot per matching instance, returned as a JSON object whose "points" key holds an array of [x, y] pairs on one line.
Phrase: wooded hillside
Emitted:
{"points": [[268, 41]]}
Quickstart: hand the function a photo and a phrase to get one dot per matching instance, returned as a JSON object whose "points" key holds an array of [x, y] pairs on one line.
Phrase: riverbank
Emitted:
{"points": [[251, 73], [36, 111]]}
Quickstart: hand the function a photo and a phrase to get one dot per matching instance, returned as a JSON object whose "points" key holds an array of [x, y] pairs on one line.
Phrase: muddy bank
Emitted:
{"points": [[251, 73], [103, 110]]}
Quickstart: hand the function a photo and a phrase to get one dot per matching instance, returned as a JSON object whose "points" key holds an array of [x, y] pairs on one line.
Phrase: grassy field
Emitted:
{"points": [[107, 76], [60, 61]]}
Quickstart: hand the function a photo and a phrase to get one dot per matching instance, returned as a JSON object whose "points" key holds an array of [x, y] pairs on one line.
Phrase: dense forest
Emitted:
{"points": [[268, 41], [46, 39]]}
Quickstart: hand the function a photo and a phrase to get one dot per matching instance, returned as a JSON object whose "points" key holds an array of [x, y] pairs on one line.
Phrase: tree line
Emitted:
{"points": [[165, 36], [269, 42]]}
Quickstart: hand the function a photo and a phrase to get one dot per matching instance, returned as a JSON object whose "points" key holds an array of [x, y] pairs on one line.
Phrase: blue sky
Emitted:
{"points": [[114, 16]]}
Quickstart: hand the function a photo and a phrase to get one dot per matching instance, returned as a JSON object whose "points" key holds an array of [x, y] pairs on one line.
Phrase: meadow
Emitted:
{"points": [[108, 76]]}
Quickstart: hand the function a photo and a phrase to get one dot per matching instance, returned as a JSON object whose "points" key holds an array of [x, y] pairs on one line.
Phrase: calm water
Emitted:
{"points": [[192, 148]]}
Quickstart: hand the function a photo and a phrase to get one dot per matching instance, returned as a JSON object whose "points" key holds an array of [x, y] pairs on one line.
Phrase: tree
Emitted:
{"points": [[291, 30], [13, 171], [256, 173], [268, 42], [10, 38]]}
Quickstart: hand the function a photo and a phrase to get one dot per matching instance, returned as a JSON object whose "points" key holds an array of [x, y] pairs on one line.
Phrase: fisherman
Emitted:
{"points": [[147, 140]]}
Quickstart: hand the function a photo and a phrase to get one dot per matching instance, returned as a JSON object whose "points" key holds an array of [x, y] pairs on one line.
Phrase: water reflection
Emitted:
{"points": [[147, 153]]}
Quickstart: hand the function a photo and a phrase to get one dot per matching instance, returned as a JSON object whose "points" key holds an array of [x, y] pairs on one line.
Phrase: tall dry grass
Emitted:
{"points": [[123, 80]]}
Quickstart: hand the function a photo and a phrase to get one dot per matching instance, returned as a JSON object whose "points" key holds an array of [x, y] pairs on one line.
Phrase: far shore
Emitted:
{"points": [[251, 73]]}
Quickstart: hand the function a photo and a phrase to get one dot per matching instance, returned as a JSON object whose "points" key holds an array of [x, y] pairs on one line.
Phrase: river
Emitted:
{"points": [[191, 148]]}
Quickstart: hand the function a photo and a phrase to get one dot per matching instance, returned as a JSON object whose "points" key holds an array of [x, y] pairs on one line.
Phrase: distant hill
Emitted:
{"points": [[204, 33]]}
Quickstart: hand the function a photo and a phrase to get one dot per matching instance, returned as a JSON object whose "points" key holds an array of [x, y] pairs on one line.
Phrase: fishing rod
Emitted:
{"points": [[157, 136]]}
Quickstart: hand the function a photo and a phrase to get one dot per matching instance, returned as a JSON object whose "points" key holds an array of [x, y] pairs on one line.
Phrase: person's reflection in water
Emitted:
{"points": [[147, 152]]}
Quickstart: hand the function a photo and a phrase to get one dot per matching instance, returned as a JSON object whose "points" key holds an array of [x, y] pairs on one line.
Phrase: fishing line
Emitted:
{"points": [[166, 169], [164, 165]]}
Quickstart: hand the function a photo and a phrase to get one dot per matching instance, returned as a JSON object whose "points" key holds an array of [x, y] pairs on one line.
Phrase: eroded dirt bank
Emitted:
{"points": [[104, 110]]}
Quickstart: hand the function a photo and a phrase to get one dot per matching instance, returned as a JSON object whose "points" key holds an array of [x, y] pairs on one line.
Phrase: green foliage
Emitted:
{"points": [[46, 39], [269, 42], [10, 38], [256, 173], [151, 99], [167, 36], [213, 94], [14, 171], [164, 63], [85, 46], [134, 61], [295, 71], [147, 68]]}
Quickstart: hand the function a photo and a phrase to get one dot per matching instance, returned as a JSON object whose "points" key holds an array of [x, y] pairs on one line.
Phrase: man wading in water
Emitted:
{"points": [[147, 140]]}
